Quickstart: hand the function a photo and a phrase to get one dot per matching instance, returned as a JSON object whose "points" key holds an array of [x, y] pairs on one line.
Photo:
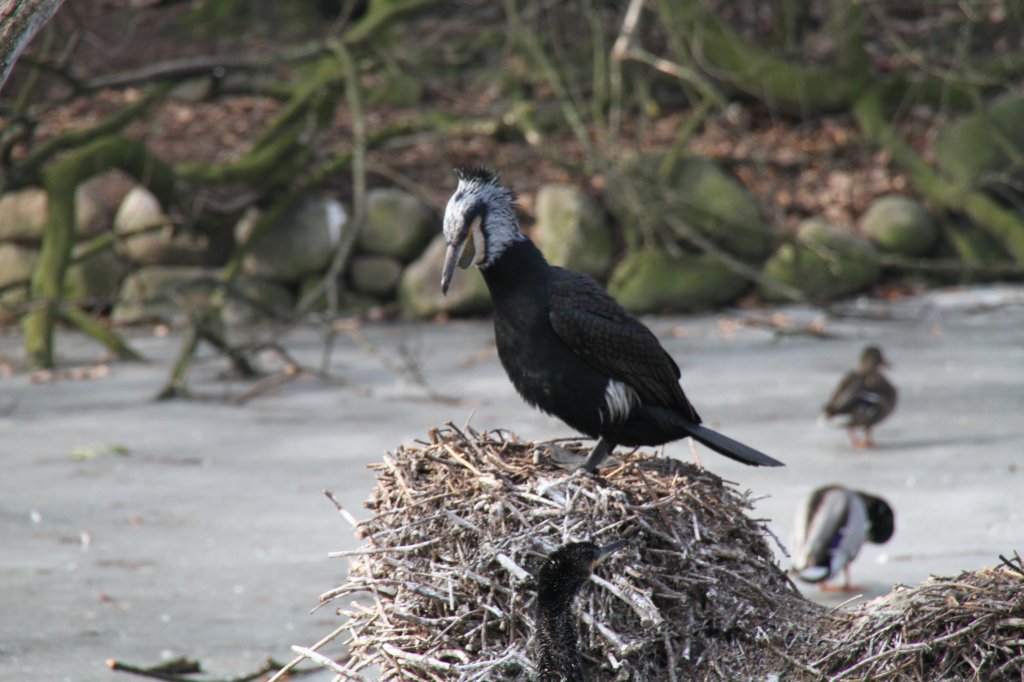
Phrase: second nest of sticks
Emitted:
{"points": [[444, 586]]}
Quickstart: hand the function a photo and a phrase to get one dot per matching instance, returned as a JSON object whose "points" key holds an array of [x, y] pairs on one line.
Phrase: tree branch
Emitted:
{"points": [[20, 20]]}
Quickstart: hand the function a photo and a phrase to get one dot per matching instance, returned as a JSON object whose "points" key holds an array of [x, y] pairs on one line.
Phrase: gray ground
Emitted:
{"points": [[140, 530]]}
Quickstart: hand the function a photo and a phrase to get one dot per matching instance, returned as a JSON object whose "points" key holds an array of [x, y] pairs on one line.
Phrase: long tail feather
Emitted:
{"points": [[733, 449]]}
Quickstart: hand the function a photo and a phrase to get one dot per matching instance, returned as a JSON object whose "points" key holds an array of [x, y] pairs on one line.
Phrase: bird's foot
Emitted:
{"points": [[845, 587], [565, 458], [570, 460], [859, 443], [598, 455]]}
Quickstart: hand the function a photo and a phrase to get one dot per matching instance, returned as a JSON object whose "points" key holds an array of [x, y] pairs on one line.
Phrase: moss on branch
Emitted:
{"points": [[1003, 225], [60, 180], [790, 86]]}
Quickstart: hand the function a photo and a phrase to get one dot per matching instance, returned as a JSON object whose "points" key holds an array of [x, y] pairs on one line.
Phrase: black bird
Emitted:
{"points": [[830, 528], [864, 395], [560, 578], [569, 348]]}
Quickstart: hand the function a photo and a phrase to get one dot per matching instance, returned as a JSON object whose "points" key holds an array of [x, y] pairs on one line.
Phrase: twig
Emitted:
{"points": [[182, 670], [288, 667]]}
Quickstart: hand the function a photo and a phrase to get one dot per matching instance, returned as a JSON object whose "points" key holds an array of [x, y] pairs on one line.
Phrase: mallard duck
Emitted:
{"points": [[829, 529], [560, 578], [865, 396]]}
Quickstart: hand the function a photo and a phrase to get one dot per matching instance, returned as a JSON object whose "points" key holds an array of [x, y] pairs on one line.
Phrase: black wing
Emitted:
{"points": [[614, 342]]}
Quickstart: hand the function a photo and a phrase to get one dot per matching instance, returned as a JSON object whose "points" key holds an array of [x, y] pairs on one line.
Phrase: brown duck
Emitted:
{"points": [[865, 396]]}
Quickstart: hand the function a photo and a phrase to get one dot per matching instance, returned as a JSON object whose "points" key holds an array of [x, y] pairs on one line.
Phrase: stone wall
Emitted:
{"points": [[155, 270]]}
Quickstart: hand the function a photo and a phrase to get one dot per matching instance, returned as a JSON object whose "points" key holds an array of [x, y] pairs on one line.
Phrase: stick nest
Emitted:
{"points": [[966, 628], [444, 585]]}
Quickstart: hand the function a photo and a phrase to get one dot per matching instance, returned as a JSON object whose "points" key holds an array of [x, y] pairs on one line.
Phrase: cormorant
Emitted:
{"points": [[830, 527], [569, 348], [865, 395], [560, 578]]}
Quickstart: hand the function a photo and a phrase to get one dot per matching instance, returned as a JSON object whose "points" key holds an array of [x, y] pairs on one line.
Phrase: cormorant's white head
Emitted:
{"points": [[479, 222]]}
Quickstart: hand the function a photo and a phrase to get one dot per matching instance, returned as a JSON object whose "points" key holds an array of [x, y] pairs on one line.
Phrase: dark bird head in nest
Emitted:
{"points": [[560, 577], [479, 222], [566, 570]]}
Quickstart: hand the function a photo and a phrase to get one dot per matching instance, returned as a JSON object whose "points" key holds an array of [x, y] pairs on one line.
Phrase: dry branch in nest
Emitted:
{"points": [[444, 588], [966, 628]]}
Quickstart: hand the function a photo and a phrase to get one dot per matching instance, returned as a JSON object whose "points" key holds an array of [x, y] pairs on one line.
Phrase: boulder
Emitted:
{"points": [[398, 224], [824, 262], [572, 230], [899, 224], [375, 275], [23, 215], [16, 263], [349, 302], [302, 242], [419, 291], [254, 300], [96, 278], [710, 201], [654, 281], [163, 293], [976, 145], [139, 212]]}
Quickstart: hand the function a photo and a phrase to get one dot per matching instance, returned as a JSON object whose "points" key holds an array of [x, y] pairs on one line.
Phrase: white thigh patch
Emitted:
{"points": [[619, 401]]}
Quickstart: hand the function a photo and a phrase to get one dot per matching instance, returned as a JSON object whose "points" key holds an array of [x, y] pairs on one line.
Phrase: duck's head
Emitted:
{"points": [[871, 358], [479, 222], [567, 568], [881, 519]]}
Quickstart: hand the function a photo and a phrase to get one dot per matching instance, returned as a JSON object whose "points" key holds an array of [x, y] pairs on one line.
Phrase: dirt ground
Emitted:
{"points": [[141, 531]]}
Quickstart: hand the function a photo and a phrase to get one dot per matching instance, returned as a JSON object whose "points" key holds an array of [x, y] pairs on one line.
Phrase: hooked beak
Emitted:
{"points": [[609, 549]]}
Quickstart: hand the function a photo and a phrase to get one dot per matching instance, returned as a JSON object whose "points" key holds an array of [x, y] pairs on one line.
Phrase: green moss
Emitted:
{"points": [[983, 143], [653, 281], [824, 263]]}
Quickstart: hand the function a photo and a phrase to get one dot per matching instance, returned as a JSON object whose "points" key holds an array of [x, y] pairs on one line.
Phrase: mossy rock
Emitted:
{"points": [[140, 211], [572, 230], [96, 278], [349, 302], [398, 224], [983, 143], [419, 291], [163, 293], [257, 300], [653, 281], [16, 263], [375, 276], [301, 242], [824, 262], [899, 224], [23, 215], [707, 198]]}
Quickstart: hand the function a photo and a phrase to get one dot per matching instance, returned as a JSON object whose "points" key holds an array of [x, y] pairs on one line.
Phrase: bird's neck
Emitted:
{"points": [[558, 655], [520, 267]]}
